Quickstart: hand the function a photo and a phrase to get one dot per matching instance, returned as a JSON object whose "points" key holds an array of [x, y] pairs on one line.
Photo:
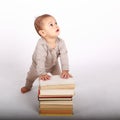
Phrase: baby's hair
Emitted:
{"points": [[38, 22]]}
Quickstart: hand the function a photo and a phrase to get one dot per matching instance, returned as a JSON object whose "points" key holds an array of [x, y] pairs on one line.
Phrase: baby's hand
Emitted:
{"points": [[44, 77], [65, 74]]}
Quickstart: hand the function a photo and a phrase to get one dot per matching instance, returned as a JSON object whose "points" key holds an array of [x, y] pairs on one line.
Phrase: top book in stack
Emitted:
{"points": [[57, 86]]}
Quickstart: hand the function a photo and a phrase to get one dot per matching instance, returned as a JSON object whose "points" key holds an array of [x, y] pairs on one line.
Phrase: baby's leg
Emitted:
{"points": [[31, 77], [56, 70]]}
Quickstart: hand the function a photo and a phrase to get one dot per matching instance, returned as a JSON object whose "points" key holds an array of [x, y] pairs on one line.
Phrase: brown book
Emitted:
{"points": [[53, 114], [54, 96], [51, 111], [56, 106]]}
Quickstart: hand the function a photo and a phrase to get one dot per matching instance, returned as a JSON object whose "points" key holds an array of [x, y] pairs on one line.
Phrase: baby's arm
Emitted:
{"points": [[64, 61], [40, 57]]}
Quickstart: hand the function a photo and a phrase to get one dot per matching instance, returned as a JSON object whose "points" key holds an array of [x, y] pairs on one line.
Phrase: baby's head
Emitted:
{"points": [[46, 25]]}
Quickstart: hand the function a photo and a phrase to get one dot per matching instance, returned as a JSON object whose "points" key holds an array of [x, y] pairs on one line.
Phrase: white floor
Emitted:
{"points": [[97, 94]]}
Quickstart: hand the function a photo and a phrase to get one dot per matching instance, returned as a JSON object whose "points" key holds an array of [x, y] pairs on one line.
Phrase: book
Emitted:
{"points": [[57, 80], [56, 102], [56, 111], [56, 107], [44, 106], [57, 92], [63, 86], [54, 98], [56, 86]]}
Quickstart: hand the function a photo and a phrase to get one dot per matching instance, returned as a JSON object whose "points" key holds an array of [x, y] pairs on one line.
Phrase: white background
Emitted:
{"points": [[91, 30]]}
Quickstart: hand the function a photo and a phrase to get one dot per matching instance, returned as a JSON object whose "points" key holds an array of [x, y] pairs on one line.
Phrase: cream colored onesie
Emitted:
{"points": [[45, 60]]}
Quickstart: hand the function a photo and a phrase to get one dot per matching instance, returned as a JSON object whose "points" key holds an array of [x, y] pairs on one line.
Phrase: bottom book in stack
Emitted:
{"points": [[56, 107]]}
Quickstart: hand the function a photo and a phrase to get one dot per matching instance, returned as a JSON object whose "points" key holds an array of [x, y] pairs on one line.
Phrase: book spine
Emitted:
{"points": [[55, 96], [56, 111]]}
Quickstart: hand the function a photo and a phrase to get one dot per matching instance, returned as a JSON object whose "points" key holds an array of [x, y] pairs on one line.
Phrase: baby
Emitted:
{"points": [[48, 49]]}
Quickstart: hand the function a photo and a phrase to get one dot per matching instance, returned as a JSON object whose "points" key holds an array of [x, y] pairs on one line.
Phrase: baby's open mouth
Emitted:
{"points": [[57, 30]]}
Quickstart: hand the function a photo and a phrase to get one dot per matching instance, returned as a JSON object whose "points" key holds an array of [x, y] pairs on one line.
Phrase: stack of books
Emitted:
{"points": [[56, 96]]}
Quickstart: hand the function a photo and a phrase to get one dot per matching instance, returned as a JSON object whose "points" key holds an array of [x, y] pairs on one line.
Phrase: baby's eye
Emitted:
{"points": [[56, 23], [51, 24]]}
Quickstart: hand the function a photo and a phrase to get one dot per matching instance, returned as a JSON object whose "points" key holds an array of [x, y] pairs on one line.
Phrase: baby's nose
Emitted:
{"points": [[56, 26]]}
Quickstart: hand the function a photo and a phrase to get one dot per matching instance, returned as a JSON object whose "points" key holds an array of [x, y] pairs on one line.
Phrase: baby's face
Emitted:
{"points": [[50, 27]]}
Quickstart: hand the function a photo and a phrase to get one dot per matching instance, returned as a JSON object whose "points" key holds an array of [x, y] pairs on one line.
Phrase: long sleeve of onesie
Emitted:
{"points": [[39, 58], [64, 56]]}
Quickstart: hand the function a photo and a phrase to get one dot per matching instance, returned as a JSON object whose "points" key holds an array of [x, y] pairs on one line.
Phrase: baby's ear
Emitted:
{"points": [[42, 33]]}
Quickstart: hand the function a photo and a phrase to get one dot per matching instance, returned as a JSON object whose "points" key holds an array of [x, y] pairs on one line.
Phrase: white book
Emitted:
{"points": [[55, 99], [57, 92], [57, 80], [56, 102]]}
